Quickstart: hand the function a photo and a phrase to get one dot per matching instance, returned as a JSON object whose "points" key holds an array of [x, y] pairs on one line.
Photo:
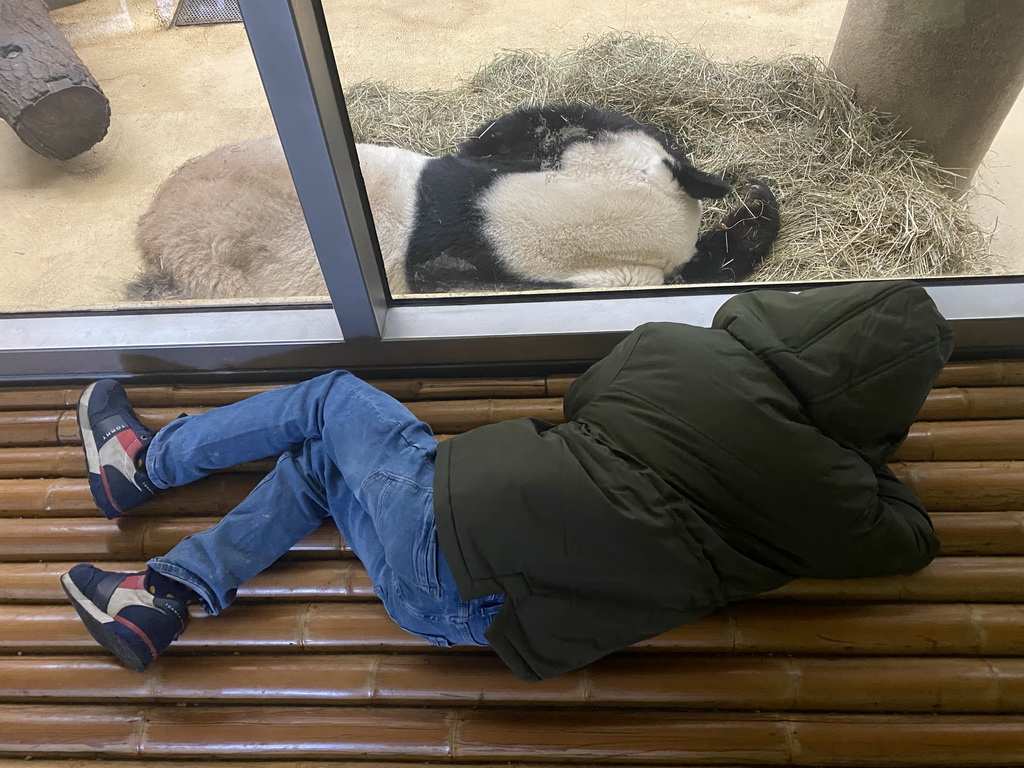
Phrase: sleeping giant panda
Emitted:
{"points": [[551, 197]]}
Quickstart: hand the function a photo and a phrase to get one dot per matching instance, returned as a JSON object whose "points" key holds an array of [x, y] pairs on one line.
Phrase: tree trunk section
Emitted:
{"points": [[949, 70], [46, 92]]}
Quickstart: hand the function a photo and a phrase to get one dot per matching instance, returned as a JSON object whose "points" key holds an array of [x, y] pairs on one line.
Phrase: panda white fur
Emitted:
{"points": [[552, 197]]}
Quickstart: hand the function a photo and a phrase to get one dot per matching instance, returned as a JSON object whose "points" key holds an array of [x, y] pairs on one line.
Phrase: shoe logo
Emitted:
{"points": [[112, 432]]}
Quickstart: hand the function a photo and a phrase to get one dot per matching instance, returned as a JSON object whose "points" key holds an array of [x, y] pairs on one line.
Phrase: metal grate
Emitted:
{"points": [[191, 12]]}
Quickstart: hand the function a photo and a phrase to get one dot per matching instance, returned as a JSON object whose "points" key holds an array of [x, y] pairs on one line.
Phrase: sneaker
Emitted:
{"points": [[122, 613], [113, 439]]}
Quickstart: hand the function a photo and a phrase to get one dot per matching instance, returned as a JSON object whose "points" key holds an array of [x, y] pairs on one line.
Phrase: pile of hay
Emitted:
{"points": [[857, 200]]}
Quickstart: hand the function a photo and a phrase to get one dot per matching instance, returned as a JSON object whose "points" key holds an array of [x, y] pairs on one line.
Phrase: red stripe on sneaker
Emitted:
{"points": [[110, 496], [142, 635], [129, 441], [135, 581]]}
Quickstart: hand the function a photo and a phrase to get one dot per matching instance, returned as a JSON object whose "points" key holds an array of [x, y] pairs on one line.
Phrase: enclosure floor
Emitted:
{"points": [[918, 670], [66, 233]]}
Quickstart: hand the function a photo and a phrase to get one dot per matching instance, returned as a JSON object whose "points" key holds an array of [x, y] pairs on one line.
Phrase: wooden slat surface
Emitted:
{"points": [[182, 396], [307, 671], [31, 538], [446, 734], [841, 629], [140, 538], [963, 685], [70, 497], [988, 373], [58, 427], [336, 579], [38, 428], [973, 403], [960, 485], [282, 763], [998, 439], [994, 440], [948, 579]]}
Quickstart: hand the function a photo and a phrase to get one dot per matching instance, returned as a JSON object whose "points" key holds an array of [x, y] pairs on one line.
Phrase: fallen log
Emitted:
{"points": [[46, 92]]}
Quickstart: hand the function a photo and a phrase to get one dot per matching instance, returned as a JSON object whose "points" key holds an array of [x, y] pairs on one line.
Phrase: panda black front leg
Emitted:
{"points": [[735, 247]]}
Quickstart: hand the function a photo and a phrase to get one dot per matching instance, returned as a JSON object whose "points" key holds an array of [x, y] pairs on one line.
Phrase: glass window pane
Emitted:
{"points": [[740, 87], [178, 89], [743, 88]]}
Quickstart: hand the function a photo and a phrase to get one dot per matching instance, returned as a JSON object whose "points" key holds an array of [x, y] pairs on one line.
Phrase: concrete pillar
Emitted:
{"points": [[949, 69]]}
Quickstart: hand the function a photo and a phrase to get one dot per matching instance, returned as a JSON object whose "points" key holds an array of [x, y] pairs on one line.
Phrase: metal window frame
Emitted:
{"points": [[508, 336], [293, 54], [508, 333]]}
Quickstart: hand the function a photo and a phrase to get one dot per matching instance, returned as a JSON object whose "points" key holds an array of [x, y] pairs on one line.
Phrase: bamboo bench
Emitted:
{"points": [[307, 671]]}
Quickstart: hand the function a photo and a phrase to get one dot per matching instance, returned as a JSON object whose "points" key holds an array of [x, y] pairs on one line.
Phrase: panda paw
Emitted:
{"points": [[758, 212], [732, 249]]}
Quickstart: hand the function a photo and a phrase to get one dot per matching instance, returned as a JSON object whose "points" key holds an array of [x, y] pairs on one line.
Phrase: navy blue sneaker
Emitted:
{"points": [[114, 440], [124, 614]]}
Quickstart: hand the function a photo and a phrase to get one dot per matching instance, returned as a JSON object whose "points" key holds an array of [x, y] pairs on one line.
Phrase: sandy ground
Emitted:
{"points": [[66, 229]]}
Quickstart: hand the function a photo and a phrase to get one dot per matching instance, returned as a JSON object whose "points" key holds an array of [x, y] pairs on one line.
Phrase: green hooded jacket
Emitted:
{"points": [[697, 467]]}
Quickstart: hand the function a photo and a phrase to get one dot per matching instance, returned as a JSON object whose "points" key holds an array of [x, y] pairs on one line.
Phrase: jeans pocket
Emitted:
{"points": [[404, 520]]}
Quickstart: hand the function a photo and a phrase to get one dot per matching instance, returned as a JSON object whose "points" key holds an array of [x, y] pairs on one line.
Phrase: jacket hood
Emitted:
{"points": [[860, 358]]}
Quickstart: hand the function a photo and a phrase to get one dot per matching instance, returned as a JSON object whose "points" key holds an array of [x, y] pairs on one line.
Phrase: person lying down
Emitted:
{"points": [[696, 467]]}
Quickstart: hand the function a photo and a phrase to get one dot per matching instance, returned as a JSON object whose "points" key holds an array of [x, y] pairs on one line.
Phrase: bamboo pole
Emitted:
{"points": [[259, 628], [47, 427], [994, 440], [65, 538], [965, 485], [23, 540], [558, 384], [947, 579], [68, 461], [996, 373], [454, 416], [790, 739], [943, 685], [29, 428], [70, 497], [980, 533], [198, 395], [285, 581], [42, 397], [221, 763], [42, 461], [984, 373], [328, 763], [753, 627], [954, 403], [41, 428], [62, 537], [998, 440], [968, 500], [446, 734]]}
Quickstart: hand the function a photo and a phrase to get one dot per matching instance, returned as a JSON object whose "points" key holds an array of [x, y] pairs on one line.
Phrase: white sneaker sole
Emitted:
{"points": [[92, 453]]}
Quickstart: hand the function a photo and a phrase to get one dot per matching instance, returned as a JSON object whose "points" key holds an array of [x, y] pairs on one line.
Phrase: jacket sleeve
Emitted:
{"points": [[894, 536]]}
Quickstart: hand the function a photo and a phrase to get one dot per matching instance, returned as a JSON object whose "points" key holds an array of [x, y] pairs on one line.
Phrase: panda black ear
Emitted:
{"points": [[702, 185]]}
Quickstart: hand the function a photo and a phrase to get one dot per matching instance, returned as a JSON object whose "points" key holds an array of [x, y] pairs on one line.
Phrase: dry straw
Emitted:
{"points": [[858, 201]]}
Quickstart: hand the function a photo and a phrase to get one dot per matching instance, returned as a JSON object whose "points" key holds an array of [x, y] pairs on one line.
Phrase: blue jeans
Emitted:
{"points": [[347, 451]]}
